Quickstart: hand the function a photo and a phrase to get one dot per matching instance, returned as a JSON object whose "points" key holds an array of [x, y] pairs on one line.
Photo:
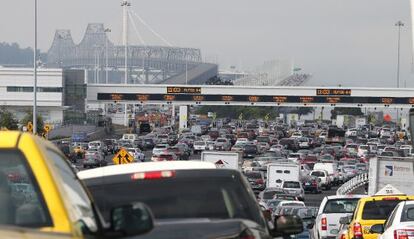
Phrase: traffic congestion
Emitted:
{"points": [[221, 179]]}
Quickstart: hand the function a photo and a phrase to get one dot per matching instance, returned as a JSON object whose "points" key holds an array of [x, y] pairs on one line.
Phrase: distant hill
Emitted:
{"points": [[12, 55]]}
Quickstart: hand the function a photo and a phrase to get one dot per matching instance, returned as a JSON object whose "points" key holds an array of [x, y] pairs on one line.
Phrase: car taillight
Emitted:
{"points": [[391, 199], [246, 234], [153, 175], [259, 181], [357, 230], [324, 224], [403, 233]]}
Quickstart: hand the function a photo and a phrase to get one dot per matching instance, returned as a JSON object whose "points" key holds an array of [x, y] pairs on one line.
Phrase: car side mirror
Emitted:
{"points": [[377, 228], [345, 220], [319, 180], [287, 225], [310, 225], [132, 219], [267, 215]]}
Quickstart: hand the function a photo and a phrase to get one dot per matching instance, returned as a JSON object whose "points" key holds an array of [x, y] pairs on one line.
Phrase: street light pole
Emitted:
{"points": [[399, 24], [106, 53], [35, 70]]}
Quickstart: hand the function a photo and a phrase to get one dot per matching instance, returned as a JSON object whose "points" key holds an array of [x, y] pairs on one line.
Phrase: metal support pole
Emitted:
{"points": [[125, 5], [186, 72], [399, 24], [35, 71], [106, 60]]}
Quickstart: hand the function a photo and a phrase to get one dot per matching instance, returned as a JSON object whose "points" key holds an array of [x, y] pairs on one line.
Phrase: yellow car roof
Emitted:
{"points": [[9, 139]]}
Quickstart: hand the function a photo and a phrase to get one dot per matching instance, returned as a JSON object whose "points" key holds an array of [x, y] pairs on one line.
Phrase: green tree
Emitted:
{"points": [[29, 118], [8, 120], [233, 112], [345, 111]]}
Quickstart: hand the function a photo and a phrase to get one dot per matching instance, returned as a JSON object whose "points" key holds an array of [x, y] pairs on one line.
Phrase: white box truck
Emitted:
{"points": [[282, 171], [398, 172], [231, 160]]}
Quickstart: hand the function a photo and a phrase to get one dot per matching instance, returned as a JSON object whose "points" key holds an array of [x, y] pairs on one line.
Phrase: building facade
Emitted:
{"points": [[53, 98]]}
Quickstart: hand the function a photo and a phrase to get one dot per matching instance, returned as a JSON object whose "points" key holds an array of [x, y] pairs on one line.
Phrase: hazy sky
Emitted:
{"points": [[348, 42]]}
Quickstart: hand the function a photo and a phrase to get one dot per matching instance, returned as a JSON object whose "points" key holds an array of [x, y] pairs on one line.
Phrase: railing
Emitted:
{"points": [[353, 184]]}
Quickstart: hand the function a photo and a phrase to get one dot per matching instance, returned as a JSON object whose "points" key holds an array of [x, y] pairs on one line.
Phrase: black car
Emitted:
{"points": [[290, 144], [311, 184], [256, 180], [250, 150], [190, 203], [148, 143]]}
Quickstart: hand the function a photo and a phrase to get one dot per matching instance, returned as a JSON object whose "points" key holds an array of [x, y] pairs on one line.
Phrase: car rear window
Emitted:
{"points": [[291, 185], [270, 194], [378, 210], [318, 174], [21, 203], [341, 205], [253, 175], [250, 147], [180, 196]]}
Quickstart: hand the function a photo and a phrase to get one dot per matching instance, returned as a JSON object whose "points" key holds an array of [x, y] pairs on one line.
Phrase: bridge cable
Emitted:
{"points": [[152, 30], [136, 29]]}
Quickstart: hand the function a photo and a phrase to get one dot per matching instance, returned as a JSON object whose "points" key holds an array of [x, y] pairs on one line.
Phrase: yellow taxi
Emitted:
{"points": [[374, 210], [40, 193]]}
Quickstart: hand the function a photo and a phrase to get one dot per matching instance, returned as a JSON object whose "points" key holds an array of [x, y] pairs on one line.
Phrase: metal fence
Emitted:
{"points": [[353, 184]]}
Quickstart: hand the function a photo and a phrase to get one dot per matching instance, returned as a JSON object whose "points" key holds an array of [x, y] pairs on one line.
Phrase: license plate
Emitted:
{"points": [[334, 231], [366, 230]]}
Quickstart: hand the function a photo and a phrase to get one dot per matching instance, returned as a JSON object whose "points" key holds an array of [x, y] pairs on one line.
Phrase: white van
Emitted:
{"points": [[331, 168]]}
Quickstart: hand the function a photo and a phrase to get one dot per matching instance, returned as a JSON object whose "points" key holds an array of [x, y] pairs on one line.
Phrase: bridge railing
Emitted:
{"points": [[353, 184]]}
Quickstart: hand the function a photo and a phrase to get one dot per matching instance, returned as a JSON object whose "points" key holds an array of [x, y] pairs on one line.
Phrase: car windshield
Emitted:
{"points": [[379, 209], [340, 205], [177, 197]]}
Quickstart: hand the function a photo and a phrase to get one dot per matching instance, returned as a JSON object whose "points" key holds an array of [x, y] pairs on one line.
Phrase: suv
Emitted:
{"points": [[41, 197], [294, 188], [187, 198]]}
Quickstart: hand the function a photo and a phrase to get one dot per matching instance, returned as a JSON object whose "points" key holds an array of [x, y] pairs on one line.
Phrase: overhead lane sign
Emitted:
{"points": [[341, 92], [183, 90], [123, 157], [325, 97]]}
